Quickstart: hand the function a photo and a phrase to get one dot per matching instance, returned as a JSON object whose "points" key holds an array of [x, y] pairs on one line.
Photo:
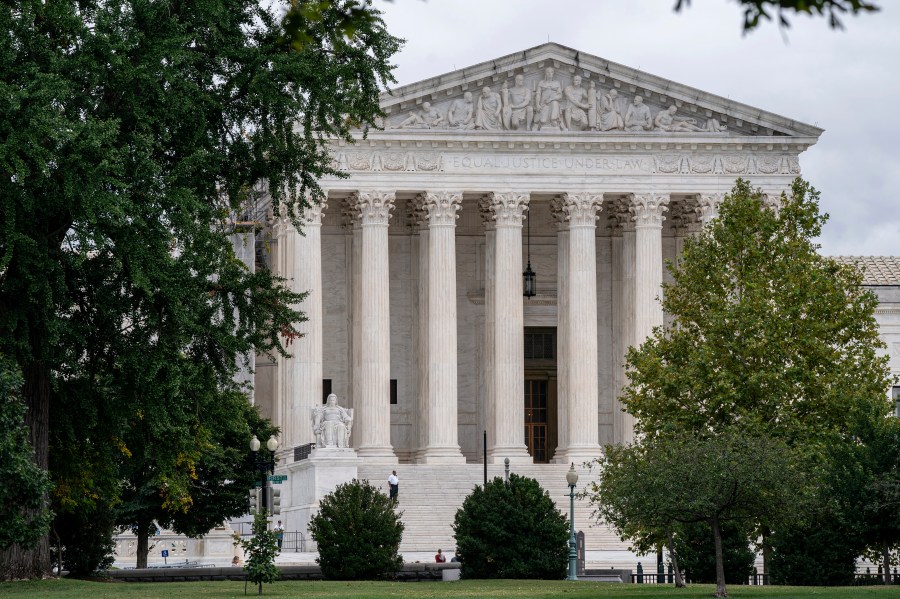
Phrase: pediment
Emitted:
{"points": [[555, 89]]}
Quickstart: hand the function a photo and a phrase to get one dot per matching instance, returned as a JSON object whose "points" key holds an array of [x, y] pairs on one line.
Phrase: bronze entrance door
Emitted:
{"points": [[540, 393]]}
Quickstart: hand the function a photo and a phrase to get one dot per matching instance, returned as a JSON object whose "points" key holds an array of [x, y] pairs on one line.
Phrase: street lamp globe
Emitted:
{"points": [[572, 476], [271, 444], [254, 444]]}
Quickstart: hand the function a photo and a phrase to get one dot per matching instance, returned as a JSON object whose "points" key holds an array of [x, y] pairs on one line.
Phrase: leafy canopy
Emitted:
{"points": [[766, 333]]}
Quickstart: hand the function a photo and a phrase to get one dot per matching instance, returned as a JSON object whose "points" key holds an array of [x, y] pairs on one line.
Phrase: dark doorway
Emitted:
{"points": [[540, 393]]}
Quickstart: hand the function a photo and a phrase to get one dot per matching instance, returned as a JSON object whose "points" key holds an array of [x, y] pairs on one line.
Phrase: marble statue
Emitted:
{"points": [[488, 112], [667, 121], [578, 107], [517, 108], [462, 113], [638, 116], [427, 118], [547, 99], [332, 424], [714, 126], [609, 117]]}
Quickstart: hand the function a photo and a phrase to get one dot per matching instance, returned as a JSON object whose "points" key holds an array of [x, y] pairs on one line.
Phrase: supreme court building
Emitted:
{"points": [[589, 174]]}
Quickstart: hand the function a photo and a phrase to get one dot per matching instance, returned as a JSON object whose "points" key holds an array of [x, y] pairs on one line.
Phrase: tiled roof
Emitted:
{"points": [[877, 270]]}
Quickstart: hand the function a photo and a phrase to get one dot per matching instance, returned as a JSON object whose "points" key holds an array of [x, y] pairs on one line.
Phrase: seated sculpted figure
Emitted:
{"points": [[547, 101], [609, 118], [332, 424], [638, 116], [667, 121], [488, 112], [427, 118], [579, 106], [462, 112]]}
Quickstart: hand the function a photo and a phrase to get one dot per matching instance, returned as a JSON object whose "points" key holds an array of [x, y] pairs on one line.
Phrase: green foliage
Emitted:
{"points": [[766, 332], [23, 514], [86, 539], [817, 550], [757, 10], [511, 529], [697, 553], [358, 533], [132, 133], [261, 549]]}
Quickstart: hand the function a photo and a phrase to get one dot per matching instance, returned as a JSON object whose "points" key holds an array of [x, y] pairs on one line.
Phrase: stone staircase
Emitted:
{"points": [[430, 495]]}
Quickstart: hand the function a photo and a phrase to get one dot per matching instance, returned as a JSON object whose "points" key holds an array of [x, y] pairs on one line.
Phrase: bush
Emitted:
{"points": [[261, 549], [358, 533], [818, 552], [696, 551], [511, 530], [86, 537]]}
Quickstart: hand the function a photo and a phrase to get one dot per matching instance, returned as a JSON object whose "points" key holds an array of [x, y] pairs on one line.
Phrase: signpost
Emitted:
{"points": [[165, 554], [275, 479]]}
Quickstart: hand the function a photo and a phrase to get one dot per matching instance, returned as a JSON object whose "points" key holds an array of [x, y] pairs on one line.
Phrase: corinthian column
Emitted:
{"points": [[443, 445], [280, 229], [708, 207], [373, 411], [488, 370], [306, 273], [581, 324], [419, 222], [562, 314], [509, 330], [647, 211]]}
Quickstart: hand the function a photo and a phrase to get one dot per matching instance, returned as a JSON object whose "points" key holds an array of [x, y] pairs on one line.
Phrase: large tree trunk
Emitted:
{"points": [[721, 591], [17, 562], [143, 545], [886, 561], [679, 579]]}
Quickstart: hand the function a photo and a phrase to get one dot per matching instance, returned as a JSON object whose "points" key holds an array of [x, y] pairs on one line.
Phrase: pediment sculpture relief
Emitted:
{"points": [[551, 104]]}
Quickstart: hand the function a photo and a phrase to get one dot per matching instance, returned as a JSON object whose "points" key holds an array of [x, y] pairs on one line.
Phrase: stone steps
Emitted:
{"points": [[430, 495]]}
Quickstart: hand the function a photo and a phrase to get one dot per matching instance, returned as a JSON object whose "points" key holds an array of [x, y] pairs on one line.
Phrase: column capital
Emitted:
{"points": [[772, 198], [281, 223], [375, 207], [647, 209], [509, 208], [312, 213], [581, 208], [418, 215], [487, 213], [350, 212], [708, 206], [442, 208], [557, 209]]}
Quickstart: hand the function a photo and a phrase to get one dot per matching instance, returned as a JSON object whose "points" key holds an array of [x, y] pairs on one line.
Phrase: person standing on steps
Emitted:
{"points": [[394, 484]]}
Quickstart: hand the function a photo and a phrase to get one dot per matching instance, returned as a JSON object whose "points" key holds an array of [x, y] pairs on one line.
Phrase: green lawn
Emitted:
{"points": [[65, 589]]}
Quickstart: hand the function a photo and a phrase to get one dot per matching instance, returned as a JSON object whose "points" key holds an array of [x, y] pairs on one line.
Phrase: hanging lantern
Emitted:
{"points": [[529, 286]]}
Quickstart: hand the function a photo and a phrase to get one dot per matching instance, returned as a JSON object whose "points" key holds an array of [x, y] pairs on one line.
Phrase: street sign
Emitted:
{"points": [[277, 478], [165, 553]]}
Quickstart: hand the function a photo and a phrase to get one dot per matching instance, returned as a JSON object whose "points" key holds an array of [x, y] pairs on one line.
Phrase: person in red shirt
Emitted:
{"points": [[440, 558]]}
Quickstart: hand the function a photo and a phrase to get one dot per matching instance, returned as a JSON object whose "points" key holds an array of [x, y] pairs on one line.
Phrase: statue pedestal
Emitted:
{"points": [[309, 481]]}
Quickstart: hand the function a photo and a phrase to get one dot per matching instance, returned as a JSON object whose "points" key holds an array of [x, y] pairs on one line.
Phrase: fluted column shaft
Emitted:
{"points": [[489, 404], [373, 412], [623, 425], [442, 445], [419, 222], [647, 210], [281, 382], [562, 315], [581, 325], [305, 267], [509, 323]]}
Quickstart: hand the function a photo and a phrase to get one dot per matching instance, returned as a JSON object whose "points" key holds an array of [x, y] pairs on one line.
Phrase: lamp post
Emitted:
{"points": [[264, 465], [572, 479]]}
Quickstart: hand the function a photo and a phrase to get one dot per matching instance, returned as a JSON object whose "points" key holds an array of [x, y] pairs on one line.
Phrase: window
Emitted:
{"points": [[393, 392], [540, 344], [326, 389], [895, 393]]}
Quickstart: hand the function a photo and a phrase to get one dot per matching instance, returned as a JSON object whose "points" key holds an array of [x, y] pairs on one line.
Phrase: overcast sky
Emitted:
{"points": [[847, 82]]}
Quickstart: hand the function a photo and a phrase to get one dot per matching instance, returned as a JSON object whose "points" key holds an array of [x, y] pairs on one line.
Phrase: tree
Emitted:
{"points": [[727, 476], [695, 546], [766, 332], [511, 529], [23, 515], [865, 482], [261, 549], [132, 131], [358, 533], [757, 10]]}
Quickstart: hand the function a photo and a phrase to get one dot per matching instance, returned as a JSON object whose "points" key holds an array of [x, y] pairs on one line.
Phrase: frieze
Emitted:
{"points": [[661, 163]]}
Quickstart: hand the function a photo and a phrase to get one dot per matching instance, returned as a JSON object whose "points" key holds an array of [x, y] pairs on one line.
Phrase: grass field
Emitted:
{"points": [[71, 589]]}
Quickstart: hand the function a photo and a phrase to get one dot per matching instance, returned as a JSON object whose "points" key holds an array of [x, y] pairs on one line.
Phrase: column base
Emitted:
{"points": [[441, 455], [517, 454], [377, 455], [579, 455]]}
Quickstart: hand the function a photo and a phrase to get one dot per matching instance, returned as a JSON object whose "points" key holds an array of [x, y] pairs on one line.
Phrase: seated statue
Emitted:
{"points": [[332, 424], [638, 116]]}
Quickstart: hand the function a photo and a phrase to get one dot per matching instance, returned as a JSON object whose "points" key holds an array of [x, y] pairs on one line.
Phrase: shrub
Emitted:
{"points": [[358, 533], [511, 530], [820, 551], [261, 549]]}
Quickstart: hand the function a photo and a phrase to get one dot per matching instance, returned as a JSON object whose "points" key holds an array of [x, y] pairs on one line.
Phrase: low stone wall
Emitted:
{"points": [[408, 573]]}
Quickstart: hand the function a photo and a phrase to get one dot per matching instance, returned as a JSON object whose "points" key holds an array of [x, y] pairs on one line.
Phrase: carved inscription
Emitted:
{"points": [[632, 164]]}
